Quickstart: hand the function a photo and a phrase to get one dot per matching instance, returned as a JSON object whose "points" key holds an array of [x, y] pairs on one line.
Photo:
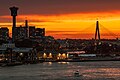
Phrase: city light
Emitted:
{"points": [[44, 55], [1, 59], [63, 55], [50, 55], [21, 54], [59, 56]]}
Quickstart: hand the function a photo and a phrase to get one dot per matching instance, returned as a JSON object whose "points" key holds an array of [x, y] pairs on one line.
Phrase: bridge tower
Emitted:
{"points": [[97, 42], [97, 32]]}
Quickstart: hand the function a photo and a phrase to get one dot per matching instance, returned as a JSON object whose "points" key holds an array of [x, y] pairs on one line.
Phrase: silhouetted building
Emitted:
{"points": [[21, 33], [13, 14], [31, 31], [4, 33], [36, 32], [39, 32], [27, 28]]}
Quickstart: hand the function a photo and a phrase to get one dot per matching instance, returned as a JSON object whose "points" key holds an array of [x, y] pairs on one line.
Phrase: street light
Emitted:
{"points": [[21, 54]]}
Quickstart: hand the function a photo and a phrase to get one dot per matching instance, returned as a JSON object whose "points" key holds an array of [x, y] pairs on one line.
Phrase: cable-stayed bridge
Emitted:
{"points": [[98, 31]]}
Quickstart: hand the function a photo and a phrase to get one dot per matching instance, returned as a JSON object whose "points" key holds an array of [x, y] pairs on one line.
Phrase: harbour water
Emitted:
{"points": [[103, 70]]}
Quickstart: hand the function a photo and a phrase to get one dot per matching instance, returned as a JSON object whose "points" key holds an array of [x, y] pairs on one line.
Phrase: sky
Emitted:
{"points": [[66, 18]]}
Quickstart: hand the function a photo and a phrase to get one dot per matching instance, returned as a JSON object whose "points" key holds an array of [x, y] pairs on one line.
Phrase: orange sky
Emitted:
{"points": [[79, 25], [66, 18]]}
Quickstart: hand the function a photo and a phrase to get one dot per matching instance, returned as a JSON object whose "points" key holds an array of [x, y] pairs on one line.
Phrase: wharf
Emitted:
{"points": [[82, 60], [52, 60]]}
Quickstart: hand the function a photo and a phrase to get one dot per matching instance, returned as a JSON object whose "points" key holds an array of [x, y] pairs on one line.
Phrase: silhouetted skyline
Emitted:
{"points": [[67, 16]]}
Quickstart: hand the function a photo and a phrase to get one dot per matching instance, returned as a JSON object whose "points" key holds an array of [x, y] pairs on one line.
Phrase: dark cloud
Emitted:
{"points": [[47, 7]]}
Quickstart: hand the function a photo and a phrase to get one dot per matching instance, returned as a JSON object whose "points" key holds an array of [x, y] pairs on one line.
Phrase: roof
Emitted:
{"points": [[49, 51], [76, 52], [22, 49]]}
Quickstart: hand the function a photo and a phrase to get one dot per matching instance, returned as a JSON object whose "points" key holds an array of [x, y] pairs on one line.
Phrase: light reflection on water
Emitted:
{"points": [[63, 71], [63, 62]]}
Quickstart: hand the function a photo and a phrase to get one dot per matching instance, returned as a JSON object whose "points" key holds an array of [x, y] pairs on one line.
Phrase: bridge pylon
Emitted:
{"points": [[97, 42], [97, 32]]}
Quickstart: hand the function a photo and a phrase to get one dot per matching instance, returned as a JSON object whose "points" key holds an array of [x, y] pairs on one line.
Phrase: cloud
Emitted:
{"points": [[63, 17], [50, 7], [32, 18], [56, 7]]}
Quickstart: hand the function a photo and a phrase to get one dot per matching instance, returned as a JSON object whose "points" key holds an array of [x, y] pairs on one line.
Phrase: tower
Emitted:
{"points": [[97, 32], [27, 28], [97, 39], [26, 23], [13, 14]]}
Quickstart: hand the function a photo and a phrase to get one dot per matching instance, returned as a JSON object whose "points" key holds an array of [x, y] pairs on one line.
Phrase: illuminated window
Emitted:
{"points": [[44, 55], [59, 56], [63, 55], [50, 55], [67, 55]]}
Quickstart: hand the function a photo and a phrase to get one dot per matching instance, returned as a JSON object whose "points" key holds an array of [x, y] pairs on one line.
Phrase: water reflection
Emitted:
{"points": [[63, 62], [62, 71], [50, 63], [47, 63]]}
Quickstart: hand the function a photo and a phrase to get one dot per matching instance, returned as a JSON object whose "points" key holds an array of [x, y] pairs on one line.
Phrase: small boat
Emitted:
{"points": [[77, 74]]}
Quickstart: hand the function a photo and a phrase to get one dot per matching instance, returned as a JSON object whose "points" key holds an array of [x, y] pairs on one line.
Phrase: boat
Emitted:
{"points": [[77, 74]]}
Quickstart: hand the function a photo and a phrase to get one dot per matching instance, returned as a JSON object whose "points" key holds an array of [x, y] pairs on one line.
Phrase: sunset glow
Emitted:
{"points": [[80, 25]]}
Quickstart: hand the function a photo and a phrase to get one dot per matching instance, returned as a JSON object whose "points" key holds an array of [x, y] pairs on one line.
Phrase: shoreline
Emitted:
{"points": [[20, 63]]}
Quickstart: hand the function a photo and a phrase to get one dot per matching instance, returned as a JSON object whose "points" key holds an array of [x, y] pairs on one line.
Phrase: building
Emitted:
{"points": [[39, 32], [31, 31], [21, 33], [4, 47], [52, 54], [8, 45], [36, 32], [24, 54], [4, 51], [76, 54], [8, 52], [4, 33], [26, 31]]}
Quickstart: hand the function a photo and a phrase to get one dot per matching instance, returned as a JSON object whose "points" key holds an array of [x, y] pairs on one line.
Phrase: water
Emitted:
{"points": [[104, 70]]}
